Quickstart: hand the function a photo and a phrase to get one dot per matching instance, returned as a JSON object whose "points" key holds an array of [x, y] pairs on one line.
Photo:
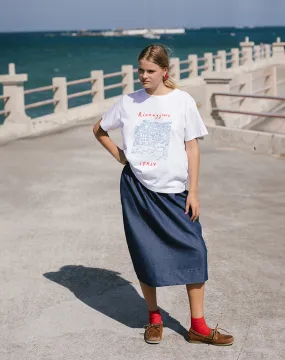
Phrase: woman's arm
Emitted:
{"points": [[193, 155], [104, 139]]}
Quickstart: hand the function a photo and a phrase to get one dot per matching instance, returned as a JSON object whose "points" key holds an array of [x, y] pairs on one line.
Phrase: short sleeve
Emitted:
{"points": [[194, 125], [111, 119]]}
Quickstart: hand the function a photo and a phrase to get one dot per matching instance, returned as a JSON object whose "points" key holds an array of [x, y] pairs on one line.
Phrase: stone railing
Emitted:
{"points": [[225, 70]]}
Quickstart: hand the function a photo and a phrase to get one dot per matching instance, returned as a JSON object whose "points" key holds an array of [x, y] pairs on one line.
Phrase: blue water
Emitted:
{"points": [[43, 57]]}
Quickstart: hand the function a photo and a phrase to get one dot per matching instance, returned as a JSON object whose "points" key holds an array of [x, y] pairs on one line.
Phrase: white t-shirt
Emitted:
{"points": [[154, 128]]}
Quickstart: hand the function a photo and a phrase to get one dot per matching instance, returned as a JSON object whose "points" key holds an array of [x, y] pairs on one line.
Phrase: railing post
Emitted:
{"points": [[60, 94], [235, 57], [223, 56], [278, 49], [193, 65], [208, 61], [98, 92], [218, 65], [267, 48], [216, 83], [174, 70], [256, 52], [13, 89], [128, 79], [247, 51]]}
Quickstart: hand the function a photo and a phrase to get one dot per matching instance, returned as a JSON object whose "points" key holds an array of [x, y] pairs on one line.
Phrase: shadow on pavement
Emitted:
{"points": [[106, 291]]}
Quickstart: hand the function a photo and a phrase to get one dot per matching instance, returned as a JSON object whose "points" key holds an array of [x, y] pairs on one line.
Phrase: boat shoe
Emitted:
{"points": [[153, 333], [214, 338]]}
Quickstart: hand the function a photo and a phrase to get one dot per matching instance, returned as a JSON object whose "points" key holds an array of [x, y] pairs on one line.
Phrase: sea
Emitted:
{"points": [[44, 55]]}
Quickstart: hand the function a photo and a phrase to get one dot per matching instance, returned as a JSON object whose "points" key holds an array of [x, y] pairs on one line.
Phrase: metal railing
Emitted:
{"points": [[247, 112]]}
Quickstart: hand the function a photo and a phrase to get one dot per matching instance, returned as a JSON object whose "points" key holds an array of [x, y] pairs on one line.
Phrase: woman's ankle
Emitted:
{"points": [[154, 316]]}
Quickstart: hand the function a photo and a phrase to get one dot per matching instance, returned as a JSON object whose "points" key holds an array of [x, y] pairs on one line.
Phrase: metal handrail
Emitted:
{"points": [[114, 86], [135, 70], [4, 98], [201, 67], [76, 82], [182, 62], [81, 93], [251, 96], [137, 81], [183, 71], [40, 89], [119, 73], [40, 103], [249, 113], [229, 61]]}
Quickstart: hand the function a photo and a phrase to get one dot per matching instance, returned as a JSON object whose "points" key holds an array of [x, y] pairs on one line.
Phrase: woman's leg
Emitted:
{"points": [[149, 294], [196, 299], [199, 331]]}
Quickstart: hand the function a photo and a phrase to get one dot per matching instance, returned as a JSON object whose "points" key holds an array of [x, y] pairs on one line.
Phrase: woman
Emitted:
{"points": [[160, 125]]}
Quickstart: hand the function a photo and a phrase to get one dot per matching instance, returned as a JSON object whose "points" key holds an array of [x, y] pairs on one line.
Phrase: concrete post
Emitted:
{"points": [[223, 56], [193, 65], [247, 51], [60, 94], [12, 69], [235, 57], [267, 49], [174, 69], [98, 92], [208, 61], [218, 65], [216, 83], [278, 50], [128, 79], [257, 52], [13, 89]]}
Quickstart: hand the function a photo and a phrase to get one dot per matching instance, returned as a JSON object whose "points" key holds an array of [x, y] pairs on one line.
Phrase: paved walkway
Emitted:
{"points": [[68, 290]]}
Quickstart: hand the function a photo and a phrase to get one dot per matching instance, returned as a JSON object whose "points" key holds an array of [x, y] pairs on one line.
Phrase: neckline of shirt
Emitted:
{"points": [[160, 96]]}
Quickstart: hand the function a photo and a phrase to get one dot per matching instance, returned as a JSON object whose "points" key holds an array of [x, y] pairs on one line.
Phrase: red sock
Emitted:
{"points": [[200, 326], [154, 317]]}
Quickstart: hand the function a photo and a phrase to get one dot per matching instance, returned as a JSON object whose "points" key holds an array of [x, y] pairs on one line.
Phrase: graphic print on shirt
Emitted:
{"points": [[152, 138]]}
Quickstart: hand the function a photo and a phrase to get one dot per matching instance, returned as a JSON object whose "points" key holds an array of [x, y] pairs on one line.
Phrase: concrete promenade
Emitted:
{"points": [[68, 290]]}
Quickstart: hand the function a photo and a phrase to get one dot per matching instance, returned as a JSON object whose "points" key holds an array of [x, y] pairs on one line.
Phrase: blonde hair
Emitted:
{"points": [[158, 55]]}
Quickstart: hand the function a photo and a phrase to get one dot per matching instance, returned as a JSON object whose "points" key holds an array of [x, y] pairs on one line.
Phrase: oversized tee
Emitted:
{"points": [[154, 130]]}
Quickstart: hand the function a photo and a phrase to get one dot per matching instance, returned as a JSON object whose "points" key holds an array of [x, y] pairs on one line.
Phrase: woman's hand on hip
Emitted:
{"points": [[192, 202]]}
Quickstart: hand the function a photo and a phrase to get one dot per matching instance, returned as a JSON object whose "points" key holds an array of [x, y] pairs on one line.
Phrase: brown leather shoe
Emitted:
{"points": [[215, 338], [153, 333]]}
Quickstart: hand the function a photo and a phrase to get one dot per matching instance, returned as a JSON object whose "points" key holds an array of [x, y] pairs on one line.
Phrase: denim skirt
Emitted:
{"points": [[165, 246]]}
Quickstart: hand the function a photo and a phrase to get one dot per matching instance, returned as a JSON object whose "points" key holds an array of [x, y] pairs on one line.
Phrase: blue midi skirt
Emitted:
{"points": [[166, 247]]}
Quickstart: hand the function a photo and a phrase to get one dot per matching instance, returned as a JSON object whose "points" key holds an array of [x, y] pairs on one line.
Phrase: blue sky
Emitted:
{"points": [[33, 15]]}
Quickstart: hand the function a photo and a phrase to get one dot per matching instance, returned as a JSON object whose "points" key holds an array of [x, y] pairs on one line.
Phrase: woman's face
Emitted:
{"points": [[150, 74]]}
